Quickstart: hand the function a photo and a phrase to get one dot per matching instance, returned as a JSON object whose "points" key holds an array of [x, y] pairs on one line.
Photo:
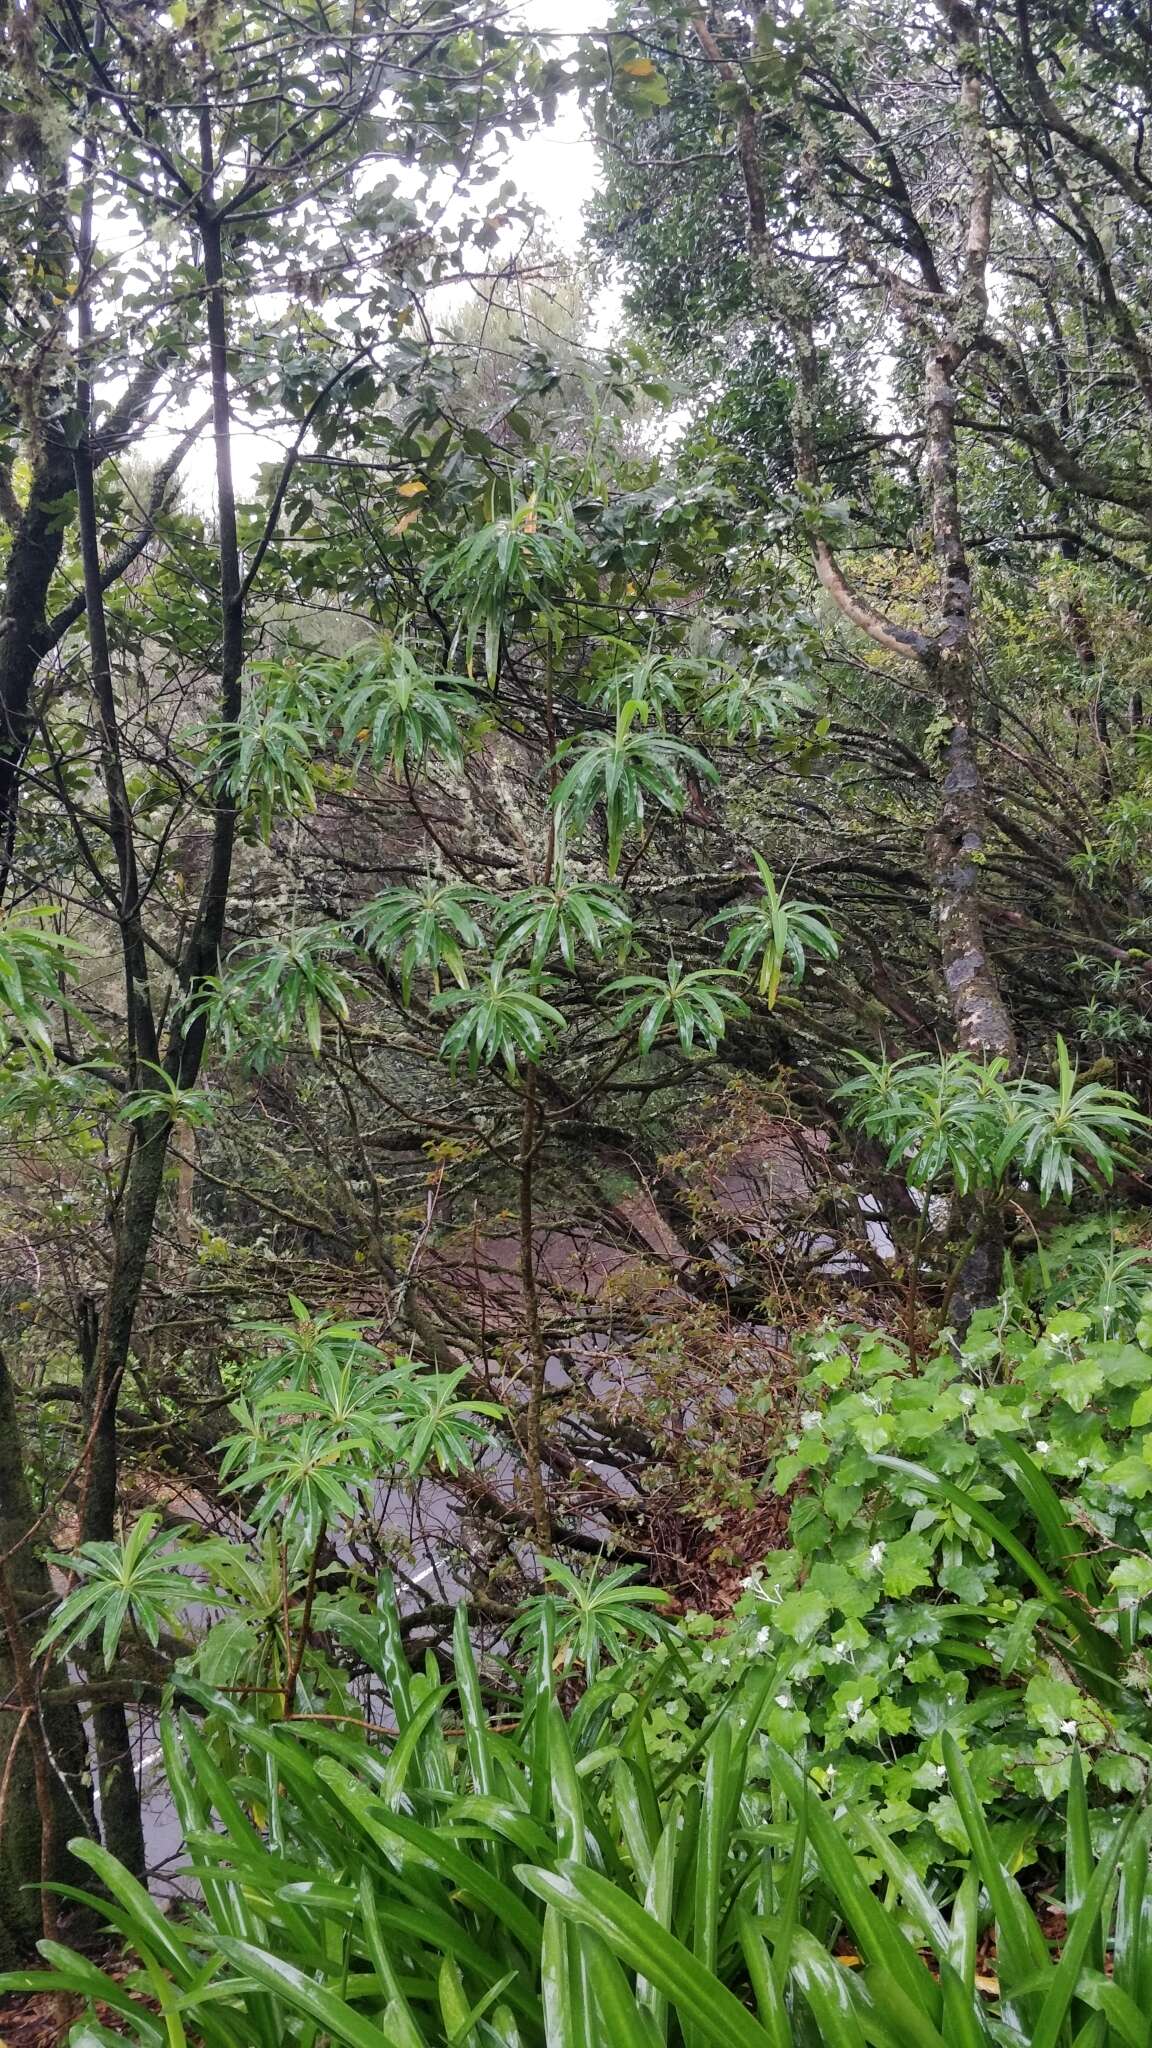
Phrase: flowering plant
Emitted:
{"points": [[971, 1554]]}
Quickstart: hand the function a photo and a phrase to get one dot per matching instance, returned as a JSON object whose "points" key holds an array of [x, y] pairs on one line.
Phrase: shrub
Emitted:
{"points": [[970, 1555], [541, 1883]]}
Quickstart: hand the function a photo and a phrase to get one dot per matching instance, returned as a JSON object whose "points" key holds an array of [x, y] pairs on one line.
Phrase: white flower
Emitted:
{"points": [[810, 1419], [763, 1638], [966, 1396], [853, 1709], [1041, 1447], [783, 1699], [876, 1554], [1067, 1727]]}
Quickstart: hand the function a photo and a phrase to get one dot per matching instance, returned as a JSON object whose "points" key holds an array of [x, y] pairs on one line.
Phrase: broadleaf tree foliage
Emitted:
{"points": [[565, 867]]}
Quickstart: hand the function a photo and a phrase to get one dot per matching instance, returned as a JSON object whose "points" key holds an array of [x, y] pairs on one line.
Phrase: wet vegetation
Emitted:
{"points": [[576, 1310]]}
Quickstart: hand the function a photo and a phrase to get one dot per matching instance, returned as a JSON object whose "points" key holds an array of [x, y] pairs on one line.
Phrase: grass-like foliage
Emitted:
{"points": [[462, 1880]]}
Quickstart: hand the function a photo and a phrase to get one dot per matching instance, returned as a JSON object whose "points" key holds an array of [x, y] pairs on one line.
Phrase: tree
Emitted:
{"points": [[885, 177], [200, 209], [428, 857]]}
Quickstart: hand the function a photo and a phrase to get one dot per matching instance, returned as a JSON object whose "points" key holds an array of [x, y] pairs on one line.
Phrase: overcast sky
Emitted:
{"points": [[556, 165]]}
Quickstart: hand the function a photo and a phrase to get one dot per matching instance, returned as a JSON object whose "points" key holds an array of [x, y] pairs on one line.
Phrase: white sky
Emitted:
{"points": [[557, 165]]}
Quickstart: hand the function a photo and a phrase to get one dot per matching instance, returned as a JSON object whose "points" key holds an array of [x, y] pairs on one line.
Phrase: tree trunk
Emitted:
{"points": [[31, 1854], [537, 1354], [135, 1222], [944, 325], [32, 562], [120, 1820], [38, 532], [955, 849]]}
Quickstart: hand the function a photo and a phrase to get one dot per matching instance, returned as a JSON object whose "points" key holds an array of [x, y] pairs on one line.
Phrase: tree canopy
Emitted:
{"points": [[546, 871]]}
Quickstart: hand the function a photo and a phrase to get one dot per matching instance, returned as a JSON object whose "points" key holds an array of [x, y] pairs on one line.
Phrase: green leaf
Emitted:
{"points": [[302, 1994], [589, 1900]]}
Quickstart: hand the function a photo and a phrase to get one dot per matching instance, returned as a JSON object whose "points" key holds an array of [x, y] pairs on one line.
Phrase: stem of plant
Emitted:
{"points": [[41, 1769], [284, 1616], [538, 1357], [967, 1248], [912, 1299], [550, 733], [304, 1631]]}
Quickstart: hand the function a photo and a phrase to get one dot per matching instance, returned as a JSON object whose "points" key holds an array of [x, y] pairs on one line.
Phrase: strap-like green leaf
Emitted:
{"points": [[591, 1901]]}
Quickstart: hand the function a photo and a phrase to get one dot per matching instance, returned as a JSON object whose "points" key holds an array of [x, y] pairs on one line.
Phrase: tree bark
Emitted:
{"points": [[51, 1742], [33, 557], [136, 1217], [946, 325], [121, 1823], [537, 1353], [37, 534], [956, 842]]}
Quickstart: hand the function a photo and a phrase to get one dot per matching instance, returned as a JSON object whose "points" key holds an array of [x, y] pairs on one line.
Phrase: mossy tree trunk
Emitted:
{"points": [[51, 1735]]}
